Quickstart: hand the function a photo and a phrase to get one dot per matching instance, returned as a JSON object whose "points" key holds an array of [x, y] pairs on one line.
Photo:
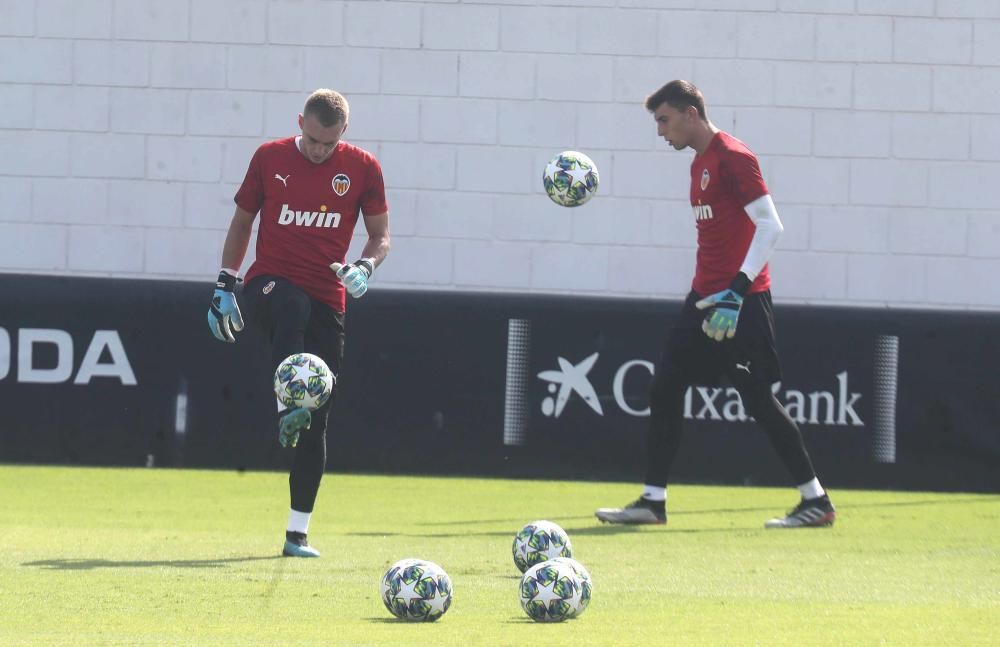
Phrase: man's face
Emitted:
{"points": [[318, 141], [675, 126]]}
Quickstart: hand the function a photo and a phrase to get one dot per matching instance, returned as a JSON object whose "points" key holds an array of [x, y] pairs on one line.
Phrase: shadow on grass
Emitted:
{"points": [[598, 529], [399, 621], [673, 512], [525, 620], [90, 564]]}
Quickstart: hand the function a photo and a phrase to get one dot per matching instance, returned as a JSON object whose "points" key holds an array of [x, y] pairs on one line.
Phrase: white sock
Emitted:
{"points": [[298, 521], [653, 493], [812, 489]]}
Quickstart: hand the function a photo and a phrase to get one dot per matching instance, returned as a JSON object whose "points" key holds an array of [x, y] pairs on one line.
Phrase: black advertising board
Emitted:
{"points": [[124, 372]]}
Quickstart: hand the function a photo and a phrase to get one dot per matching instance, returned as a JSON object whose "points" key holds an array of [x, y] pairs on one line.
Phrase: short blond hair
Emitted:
{"points": [[329, 106]]}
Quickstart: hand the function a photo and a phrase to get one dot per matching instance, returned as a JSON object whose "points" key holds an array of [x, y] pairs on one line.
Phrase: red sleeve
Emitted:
{"points": [[744, 177], [250, 196], [373, 203]]}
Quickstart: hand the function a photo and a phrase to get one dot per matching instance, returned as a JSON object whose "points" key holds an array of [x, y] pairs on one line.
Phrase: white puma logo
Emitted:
{"points": [[744, 367], [284, 180]]}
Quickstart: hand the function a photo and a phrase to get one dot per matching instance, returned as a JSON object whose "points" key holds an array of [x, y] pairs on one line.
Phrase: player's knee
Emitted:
{"points": [[755, 394], [322, 415]]}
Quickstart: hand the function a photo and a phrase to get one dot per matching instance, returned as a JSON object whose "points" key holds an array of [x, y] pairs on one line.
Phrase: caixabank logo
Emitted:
{"points": [[836, 405]]}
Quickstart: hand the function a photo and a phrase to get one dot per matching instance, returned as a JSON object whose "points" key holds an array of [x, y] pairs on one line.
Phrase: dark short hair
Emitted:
{"points": [[329, 106], [679, 95]]}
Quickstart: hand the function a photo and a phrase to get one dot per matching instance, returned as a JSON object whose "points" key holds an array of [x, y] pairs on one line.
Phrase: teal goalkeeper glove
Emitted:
{"points": [[355, 276], [224, 317], [724, 309]]}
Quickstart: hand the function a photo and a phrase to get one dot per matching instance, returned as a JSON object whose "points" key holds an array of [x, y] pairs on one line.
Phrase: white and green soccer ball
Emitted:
{"points": [[304, 381], [539, 541], [416, 590], [551, 592], [571, 179], [586, 583]]}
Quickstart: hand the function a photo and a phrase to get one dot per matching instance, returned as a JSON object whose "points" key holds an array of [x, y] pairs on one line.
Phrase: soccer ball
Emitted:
{"points": [[571, 179], [304, 381], [586, 583], [415, 589], [539, 541], [551, 592]]}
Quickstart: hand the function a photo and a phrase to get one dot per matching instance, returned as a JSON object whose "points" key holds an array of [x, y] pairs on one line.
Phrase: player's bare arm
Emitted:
{"points": [[237, 239], [377, 247]]}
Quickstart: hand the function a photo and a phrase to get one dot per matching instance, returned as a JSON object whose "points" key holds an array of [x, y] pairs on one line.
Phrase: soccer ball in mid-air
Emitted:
{"points": [[586, 583], [539, 541], [415, 589], [303, 380], [571, 179], [551, 592]]}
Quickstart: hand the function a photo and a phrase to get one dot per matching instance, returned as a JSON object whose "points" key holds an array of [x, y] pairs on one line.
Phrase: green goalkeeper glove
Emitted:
{"points": [[724, 309]]}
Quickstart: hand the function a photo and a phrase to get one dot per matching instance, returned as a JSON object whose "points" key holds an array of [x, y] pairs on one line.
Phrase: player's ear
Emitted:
{"points": [[302, 121]]}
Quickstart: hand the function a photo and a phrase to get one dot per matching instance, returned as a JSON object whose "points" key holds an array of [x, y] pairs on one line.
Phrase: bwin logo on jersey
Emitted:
{"points": [[703, 212], [321, 218], [565, 382]]}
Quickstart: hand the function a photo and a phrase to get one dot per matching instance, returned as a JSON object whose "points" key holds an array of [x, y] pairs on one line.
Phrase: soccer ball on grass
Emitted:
{"points": [[551, 592], [539, 541], [586, 583], [415, 589]]}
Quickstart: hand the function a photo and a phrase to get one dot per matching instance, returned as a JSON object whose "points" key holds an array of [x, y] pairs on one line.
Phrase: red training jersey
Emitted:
{"points": [[308, 212], [724, 179]]}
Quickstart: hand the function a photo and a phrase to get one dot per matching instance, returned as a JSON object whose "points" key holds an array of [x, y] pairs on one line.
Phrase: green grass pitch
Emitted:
{"points": [[187, 557]]}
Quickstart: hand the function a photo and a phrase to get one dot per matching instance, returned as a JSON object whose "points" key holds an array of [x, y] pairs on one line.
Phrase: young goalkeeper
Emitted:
{"points": [[726, 326]]}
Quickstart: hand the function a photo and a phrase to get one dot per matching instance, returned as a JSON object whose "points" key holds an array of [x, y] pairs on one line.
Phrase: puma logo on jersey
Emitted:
{"points": [[284, 180], [321, 218], [703, 212]]}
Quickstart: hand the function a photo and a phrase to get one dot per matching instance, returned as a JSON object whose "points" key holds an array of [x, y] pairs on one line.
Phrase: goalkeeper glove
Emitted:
{"points": [[724, 309], [355, 275], [224, 317]]}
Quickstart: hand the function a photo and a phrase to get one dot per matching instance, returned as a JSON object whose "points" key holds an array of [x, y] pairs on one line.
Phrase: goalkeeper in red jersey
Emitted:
{"points": [[726, 326], [310, 190]]}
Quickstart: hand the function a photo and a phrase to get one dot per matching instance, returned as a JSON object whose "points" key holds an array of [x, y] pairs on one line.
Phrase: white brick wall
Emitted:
{"points": [[113, 63], [18, 102], [89, 197], [73, 18], [854, 38], [127, 126], [305, 22]]}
